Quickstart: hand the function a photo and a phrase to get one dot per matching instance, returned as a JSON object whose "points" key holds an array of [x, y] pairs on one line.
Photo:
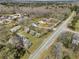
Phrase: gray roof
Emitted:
{"points": [[76, 36]]}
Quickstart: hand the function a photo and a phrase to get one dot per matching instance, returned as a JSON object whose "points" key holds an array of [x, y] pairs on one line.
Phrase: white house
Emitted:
{"points": [[26, 29], [14, 29]]}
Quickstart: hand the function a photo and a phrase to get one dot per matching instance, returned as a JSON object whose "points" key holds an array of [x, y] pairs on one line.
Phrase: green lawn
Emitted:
{"points": [[36, 19], [35, 41], [77, 26]]}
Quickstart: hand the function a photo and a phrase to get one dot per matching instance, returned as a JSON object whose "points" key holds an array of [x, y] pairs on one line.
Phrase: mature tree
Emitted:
{"points": [[66, 57], [66, 39]]}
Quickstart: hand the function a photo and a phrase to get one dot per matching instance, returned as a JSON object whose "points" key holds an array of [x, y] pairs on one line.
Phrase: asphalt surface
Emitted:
{"points": [[50, 40]]}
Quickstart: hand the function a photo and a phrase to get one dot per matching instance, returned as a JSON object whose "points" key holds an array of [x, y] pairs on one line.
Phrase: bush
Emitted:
{"points": [[66, 57]]}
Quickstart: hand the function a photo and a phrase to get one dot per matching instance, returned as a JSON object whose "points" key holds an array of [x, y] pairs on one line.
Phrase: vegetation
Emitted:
{"points": [[66, 57], [74, 8], [66, 52], [66, 39], [74, 24], [33, 13]]}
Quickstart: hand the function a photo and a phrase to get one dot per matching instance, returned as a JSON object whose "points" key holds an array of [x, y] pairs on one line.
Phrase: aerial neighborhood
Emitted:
{"points": [[39, 29]]}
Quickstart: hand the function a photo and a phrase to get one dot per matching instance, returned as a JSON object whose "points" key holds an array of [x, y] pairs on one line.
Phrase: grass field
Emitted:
{"points": [[77, 26], [35, 41]]}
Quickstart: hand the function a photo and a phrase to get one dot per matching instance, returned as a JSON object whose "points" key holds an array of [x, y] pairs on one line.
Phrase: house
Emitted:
{"points": [[1, 22], [21, 19], [16, 28], [16, 41], [12, 17], [37, 34], [32, 32], [27, 29], [20, 41], [75, 39], [26, 43], [42, 22], [34, 25]]}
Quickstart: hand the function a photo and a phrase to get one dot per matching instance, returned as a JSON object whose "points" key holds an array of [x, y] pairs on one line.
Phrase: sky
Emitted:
{"points": [[38, 0], [51, 0], [42, 0]]}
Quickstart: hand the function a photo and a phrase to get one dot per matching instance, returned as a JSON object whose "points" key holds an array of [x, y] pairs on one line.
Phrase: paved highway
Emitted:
{"points": [[50, 40]]}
